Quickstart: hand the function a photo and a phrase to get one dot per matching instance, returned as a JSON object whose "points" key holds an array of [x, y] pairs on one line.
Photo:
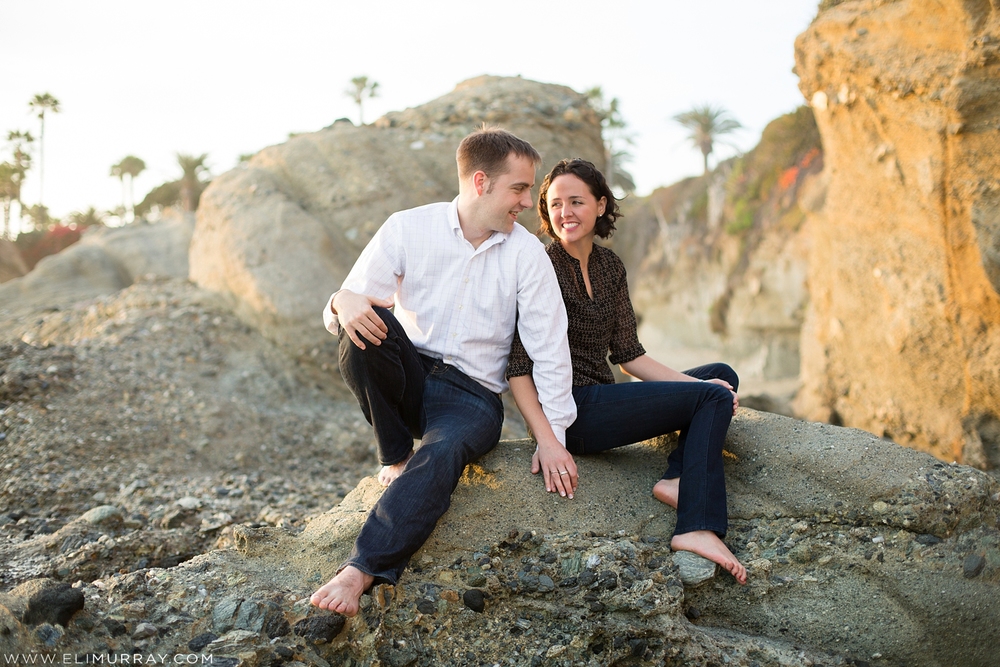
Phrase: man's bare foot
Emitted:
{"points": [[342, 594], [707, 544], [388, 474], [666, 491]]}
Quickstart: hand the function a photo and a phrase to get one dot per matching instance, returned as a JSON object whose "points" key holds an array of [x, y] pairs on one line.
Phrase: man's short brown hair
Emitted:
{"points": [[487, 149]]}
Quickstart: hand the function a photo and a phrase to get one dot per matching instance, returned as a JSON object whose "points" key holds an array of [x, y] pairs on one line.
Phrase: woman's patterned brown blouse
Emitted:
{"points": [[596, 326]]}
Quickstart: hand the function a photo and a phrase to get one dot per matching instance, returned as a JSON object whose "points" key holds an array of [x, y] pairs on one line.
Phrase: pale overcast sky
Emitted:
{"points": [[227, 77]]}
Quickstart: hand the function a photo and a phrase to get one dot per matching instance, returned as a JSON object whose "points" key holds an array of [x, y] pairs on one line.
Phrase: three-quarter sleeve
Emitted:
{"points": [[624, 345]]}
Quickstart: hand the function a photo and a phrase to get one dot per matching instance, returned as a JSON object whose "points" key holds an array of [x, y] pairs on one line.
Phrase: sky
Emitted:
{"points": [[226, 78]]}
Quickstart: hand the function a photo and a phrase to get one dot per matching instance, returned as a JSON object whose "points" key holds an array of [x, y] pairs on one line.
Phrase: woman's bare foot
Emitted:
{"points": [[707, 544], [342, 594], [666, 491], [388, 474]]}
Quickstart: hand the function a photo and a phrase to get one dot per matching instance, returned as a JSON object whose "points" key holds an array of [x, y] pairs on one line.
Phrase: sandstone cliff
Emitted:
{"points": [[11, 264], [279, 234], [902, 336]]}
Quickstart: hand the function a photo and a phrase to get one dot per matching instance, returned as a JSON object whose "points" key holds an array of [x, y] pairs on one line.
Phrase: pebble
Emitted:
{"points": [[693, 569], [474, 600], [144, 630], [320, 629], [101, 514], [201, 641], [973, 566]]}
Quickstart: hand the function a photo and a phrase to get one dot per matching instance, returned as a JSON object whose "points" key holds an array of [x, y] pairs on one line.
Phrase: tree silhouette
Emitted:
{"points": [[613, 132], [707, 124], [130, 166], [42, 103], [192, 168], [360, 88], [12, 175], [89, 218]]}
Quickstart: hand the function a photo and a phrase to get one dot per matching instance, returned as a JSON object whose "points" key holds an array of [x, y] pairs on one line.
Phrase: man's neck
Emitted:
{"points": [[473, 233]]}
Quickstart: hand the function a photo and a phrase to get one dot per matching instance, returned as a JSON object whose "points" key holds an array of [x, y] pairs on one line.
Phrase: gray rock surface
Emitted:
{"points": [[834, 525], [693, 569], [280, 233]]}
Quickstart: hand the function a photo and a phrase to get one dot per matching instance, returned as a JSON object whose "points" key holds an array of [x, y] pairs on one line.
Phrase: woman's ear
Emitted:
{"points": [[601, 205]]}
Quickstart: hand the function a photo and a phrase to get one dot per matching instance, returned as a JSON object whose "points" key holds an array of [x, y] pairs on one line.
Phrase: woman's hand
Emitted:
{"points": [[723, 383], [557, 467]]}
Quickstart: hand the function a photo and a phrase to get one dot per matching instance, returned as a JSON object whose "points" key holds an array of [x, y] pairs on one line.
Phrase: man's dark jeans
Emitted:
{"points": [[614, 415], [406, 395]]}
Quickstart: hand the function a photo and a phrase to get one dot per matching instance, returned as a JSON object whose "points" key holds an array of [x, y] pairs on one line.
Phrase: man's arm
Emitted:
{"points": [[372, 282]]}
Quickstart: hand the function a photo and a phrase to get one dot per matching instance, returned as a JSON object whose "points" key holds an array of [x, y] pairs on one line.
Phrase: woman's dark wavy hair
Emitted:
{"points": [[592, 176]]}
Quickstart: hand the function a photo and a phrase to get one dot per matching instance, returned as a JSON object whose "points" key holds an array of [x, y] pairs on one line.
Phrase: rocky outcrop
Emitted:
{"points": [[858, 550], [280, 233], [902, 336], [104, 261], [11, 264]]}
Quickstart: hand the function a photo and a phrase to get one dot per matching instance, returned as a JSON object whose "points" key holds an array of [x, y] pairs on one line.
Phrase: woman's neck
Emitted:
{"points": [[579, 250]]}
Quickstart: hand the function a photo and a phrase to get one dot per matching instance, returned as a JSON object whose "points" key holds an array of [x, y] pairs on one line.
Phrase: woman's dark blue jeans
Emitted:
{"points": [[614, 415], [406, 395]]}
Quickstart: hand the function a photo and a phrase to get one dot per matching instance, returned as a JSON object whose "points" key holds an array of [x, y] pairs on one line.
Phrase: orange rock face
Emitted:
{"points": [[902, 336]]}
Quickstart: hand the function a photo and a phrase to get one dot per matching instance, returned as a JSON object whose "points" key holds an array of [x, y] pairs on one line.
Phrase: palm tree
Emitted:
{"points": [[193, 168], [707, 124], [130, 166], [89, 218], [42, 103], [14, 173], [361, 88], [614, 135]]}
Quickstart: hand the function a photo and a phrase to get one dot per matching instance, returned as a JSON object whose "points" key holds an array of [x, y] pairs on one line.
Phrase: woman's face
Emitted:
{"points": [[573, 209]]}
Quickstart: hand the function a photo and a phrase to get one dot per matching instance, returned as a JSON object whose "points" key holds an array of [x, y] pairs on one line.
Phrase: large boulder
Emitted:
{"points": [[858, 551], [280, 233], [104, 261], [902, 336]]}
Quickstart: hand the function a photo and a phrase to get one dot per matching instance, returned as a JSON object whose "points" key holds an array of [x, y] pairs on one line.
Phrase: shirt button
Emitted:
{"points": [[465, 280]]}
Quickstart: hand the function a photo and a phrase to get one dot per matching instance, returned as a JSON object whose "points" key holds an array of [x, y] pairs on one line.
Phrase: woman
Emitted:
{"points": [[574, 205]]}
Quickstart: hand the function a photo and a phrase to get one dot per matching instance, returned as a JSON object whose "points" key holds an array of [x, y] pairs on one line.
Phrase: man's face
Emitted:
{"points": [[507, 194]]}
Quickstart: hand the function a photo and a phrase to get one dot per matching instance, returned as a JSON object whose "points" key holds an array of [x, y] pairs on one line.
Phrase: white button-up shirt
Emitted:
{"points": [[461, 304]]}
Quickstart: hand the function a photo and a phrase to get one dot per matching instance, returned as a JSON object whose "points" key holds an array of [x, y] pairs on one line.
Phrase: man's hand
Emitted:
{"points": [[723, 383], [357, 317], [557, 467]]}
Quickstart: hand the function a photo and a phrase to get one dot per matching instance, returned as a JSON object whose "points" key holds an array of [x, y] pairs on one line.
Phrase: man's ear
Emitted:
{"points": [[479, 182]]}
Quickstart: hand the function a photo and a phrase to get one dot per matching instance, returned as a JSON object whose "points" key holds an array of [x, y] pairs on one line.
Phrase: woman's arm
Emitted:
{"points": [[647, 369], [550, 456]]}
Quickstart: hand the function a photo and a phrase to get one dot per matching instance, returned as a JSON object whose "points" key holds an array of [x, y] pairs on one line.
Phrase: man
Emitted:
{"points": [[462, 275]]}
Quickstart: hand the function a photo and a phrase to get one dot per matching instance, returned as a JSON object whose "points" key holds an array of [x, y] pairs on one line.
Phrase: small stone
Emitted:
{"points": [[474, 600], [49, 602], [426, 606], [101, 514], [927, 539], [201, 641], [189, 503], [144, 630], [880, 506], [449, 595], [586, 578], [48, 634], [693, 613], [973, 566], [222, 614], [320, 629], [545, 584], [693, 569], [250, 616]]}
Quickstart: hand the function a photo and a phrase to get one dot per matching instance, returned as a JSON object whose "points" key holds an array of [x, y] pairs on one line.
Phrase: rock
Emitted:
{"points": [[201, 641], [910, 228], [320, 629], [104, 261], [41, 601], [103, 514], [11, 263], [973, 566], [474, 600], [144, 631], [280, 233], [694, 569]]}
